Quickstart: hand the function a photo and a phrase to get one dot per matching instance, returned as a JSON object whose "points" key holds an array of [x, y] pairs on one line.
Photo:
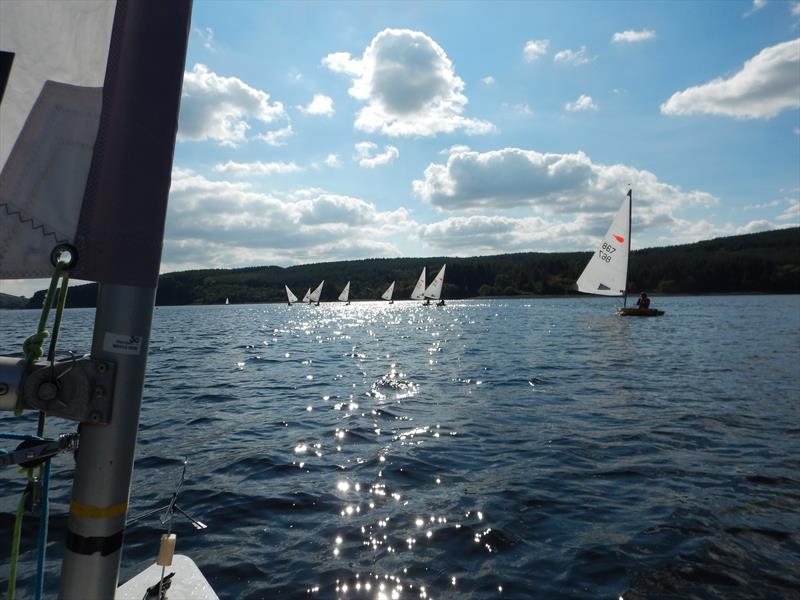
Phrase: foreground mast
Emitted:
{"points": [[131, 173]]}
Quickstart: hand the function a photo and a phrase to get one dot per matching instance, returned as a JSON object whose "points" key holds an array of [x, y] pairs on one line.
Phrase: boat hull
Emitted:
{"points": [[639, 312]]}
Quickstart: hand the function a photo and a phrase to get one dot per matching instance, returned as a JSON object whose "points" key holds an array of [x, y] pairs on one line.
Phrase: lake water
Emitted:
{"points": [[507, 448]]}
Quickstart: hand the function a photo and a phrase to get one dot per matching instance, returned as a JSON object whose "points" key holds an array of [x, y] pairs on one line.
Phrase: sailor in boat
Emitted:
{"points": [[643, 302], [440, 302]]}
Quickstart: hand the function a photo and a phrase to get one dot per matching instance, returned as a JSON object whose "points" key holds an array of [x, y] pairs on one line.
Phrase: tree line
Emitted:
{"points": [[767, 262]]}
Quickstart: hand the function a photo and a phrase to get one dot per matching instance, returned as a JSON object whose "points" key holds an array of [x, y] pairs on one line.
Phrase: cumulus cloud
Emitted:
{"points": [[222, 109], [321, 105], [366, 157], [573, 57], [631, 36], [792, 212], [488, 80], [794, 8], [276, 137], [409, 86], [583, 103], [551, 184], [332, 160], [227, 224], [767, 84], [256, 168], [534, 49]]}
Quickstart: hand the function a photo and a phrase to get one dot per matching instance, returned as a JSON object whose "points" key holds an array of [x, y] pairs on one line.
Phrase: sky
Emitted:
{"points": [[321, 131]]}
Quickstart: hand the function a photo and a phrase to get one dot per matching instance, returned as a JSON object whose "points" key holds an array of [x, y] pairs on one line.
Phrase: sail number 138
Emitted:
{"points": [[606, 251]]}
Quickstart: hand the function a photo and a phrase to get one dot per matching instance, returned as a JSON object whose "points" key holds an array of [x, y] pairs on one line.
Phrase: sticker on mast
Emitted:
{"points": [[121, 343]]}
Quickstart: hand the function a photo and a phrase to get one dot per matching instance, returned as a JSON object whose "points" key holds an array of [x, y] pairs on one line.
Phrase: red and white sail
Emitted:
{"points": [[418, 293], [434, 290], [607, 271]]}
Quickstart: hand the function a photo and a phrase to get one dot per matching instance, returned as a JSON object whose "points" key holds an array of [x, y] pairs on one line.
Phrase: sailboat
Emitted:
{"points": [[314, 296], [434, 290], [607, 271], [345, 295], [387, 295], [418, 293], [289, 295], [91, 93], [307, 296], [227, 301]]}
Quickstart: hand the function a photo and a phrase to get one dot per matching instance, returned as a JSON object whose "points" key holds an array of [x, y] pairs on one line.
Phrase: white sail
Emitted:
{"points": [[434, 290], [419, 289], [314, 297], [387, 295], [345, 295], [307, 296], [291, 297], [227, 301], [607, 271]]}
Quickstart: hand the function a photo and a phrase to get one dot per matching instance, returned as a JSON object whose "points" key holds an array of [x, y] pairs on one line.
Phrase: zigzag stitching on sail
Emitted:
{"points": [[32, 223]]}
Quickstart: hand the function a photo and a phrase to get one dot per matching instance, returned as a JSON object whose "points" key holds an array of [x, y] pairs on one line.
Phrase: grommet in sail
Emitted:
{"points": [[64, 253]]}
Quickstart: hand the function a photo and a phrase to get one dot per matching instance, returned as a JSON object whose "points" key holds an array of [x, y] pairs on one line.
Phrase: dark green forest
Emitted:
{"points": [[766, 262]]}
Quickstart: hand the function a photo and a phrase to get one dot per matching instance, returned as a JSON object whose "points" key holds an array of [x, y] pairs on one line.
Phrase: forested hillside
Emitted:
{"points": [[766, 262]]}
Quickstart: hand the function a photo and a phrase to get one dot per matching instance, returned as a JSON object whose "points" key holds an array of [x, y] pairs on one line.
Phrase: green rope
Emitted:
{"points": [[15, 540], [32, 347]]}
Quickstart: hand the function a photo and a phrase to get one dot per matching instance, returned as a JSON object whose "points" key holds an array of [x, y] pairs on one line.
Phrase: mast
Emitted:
{"points": [[128, 197], [630, 231]]}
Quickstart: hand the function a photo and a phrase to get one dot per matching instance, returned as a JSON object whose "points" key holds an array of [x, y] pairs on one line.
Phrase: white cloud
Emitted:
{"points": [[409, 86], [631, 36], [206, 35], [321, 105], [583, 103], [551, 184], [757, 5], [228, 224], [256, 168], [488, 80], [534, 49], [276, 137], [687, 232], [572, 57], [794, 9], [767, 84], [792, 212], [366, 157], [221, 109], [332, 160]]}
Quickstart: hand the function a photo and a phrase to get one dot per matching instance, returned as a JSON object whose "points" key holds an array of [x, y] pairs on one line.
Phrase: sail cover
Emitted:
{"points": [[345, 295], [387, 295], [607, 270], [87, 132], [290, 295], [434, 290], [314, 297], [418, 292]]}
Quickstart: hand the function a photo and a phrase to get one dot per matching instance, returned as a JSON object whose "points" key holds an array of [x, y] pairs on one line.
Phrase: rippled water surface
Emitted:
{"points": [[514, 449]]}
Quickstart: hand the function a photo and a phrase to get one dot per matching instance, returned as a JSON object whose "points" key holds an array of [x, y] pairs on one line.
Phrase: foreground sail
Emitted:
{"points": [[607, 271], [289, 295], [434, 290], [418, 293], [345, 295], [307, 297], [314, 296], [387, 295]]}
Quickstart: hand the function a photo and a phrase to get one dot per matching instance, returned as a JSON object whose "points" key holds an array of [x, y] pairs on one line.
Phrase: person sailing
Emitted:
{"points": [[643, 302]]}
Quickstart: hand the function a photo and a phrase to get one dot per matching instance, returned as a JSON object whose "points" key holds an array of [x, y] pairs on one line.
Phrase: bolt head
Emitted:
{"points": [[47, 392], [4, 388]]}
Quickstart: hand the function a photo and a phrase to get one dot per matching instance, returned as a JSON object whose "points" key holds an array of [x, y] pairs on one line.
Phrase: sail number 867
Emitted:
{"points": [[606, 251]]}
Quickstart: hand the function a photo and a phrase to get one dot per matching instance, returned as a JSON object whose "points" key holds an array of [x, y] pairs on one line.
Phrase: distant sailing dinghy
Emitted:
{"points": [[307, 297], [418, 293], [291, 298], [314, 296], [227, 301], [345, 295], [607, 271], [434, 290], [387, 295]]}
